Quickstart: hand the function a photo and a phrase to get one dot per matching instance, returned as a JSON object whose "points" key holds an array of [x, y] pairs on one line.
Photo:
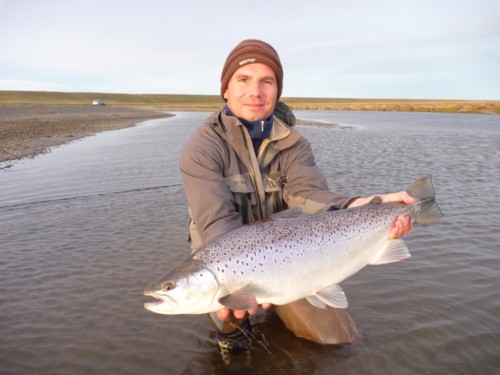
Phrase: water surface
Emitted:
{"points": [[84, 228]]}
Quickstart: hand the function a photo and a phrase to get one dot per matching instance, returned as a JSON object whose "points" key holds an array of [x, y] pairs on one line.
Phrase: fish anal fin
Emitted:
{"points": [[243, 299], [332, 296], [315, 301], [394, 251]]}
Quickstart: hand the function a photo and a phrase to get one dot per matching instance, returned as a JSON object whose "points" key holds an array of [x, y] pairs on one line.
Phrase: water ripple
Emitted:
{"points": [[85, 228]]}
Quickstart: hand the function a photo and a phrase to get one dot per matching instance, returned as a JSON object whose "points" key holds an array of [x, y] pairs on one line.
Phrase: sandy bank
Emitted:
{"points": [[28, 130]]}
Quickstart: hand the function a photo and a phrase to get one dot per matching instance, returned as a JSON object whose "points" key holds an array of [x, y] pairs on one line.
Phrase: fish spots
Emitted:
{"points": [[221, 269]]}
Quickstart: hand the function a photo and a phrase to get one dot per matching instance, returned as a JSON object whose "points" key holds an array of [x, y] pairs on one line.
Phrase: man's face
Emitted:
{"points": [[251, 92]]}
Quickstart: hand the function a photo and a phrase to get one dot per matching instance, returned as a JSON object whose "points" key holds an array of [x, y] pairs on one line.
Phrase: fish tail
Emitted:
{"points": [[423, 191]]}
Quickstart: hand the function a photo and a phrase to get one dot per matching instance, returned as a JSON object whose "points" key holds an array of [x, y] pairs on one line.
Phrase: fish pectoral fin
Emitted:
{"points": [[243, 299], [332, 296], [394, 251]]}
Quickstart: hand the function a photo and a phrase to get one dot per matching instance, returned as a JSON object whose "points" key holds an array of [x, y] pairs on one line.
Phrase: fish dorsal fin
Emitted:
{"points": [[260, 221], [393, 251], [332, 296], [288, 213], [243, 299]]}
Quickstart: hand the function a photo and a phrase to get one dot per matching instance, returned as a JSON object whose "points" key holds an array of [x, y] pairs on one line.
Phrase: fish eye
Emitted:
{"points": [[167, 286]]}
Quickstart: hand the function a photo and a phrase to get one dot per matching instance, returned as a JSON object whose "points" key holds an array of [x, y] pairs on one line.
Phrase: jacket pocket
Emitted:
{"points": [[244, 196], [240, 183]]}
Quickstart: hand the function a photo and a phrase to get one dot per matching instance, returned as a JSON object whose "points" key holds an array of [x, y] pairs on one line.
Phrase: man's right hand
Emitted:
{"points": [[224, 313]]}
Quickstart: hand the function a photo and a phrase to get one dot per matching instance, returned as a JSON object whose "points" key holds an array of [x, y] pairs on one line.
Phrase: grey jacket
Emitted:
{"points": [[227, 185]]}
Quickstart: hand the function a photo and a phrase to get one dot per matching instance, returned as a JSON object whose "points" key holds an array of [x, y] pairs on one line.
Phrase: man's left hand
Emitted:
{"points": [[402, 225]]}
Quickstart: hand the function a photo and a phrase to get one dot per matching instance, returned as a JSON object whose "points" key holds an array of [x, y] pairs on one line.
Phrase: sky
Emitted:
{"points": [[422, 49]]}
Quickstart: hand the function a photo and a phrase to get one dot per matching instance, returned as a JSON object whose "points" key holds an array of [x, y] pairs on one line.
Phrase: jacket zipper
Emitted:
{"points": [[253, 177]]}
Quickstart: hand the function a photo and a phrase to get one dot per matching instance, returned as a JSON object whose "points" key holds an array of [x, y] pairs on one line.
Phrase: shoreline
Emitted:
{"points": [[30, 130], [169, 102]]}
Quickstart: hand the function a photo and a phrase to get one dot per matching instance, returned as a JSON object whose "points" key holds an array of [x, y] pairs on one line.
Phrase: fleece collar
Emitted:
{"points": [[258, 130]]}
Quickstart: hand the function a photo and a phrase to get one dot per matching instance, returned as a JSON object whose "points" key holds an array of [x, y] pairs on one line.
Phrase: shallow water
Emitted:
{"points": [[84, 228]]}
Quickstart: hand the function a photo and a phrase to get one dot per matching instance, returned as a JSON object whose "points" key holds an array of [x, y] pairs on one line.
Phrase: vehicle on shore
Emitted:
{"points": [[98, 102]]}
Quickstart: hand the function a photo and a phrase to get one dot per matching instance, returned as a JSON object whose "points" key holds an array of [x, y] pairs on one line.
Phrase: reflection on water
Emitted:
{"points": [[84, 228]]}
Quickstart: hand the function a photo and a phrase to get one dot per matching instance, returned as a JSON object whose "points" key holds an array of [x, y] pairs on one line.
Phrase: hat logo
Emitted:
{"points": [[247, 61]]}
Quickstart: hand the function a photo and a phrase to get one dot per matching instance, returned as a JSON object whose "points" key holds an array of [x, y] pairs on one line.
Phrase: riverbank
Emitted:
{"points": [[29, 130], [31, 122], [212, 102]]}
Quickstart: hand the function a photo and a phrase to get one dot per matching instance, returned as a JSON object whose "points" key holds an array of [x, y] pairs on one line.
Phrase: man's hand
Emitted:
{"points": [[224, 313], [402, 225]]}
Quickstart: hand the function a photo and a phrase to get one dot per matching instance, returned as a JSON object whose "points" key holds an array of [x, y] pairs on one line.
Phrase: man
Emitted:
{"points": [[244, 164]]}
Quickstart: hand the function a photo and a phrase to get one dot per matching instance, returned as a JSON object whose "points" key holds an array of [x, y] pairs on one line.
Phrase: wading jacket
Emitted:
{"points": [[227, 185]]}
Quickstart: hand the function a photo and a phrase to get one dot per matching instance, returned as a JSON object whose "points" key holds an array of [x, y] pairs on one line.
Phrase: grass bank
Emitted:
{"points": [[210, 102]]}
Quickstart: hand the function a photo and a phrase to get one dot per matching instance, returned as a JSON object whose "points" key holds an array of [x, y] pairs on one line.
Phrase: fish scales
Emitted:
{"points": [[293, 237], [287, 259]]}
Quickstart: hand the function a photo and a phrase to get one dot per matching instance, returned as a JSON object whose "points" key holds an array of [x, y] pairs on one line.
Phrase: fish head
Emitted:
{"points": [[188, 289]]}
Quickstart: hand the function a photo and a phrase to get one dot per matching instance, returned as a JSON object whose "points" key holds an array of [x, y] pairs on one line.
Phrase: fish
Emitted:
{"points": [[290, 258]]}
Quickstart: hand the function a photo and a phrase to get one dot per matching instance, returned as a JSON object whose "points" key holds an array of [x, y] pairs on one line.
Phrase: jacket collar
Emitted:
{"points": [[282, 136]]}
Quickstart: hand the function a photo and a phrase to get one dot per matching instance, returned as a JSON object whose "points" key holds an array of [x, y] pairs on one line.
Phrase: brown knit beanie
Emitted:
{"points": [[251, 51]]}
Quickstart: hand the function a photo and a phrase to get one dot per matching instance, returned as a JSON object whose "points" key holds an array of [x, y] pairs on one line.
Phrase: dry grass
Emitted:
{"points": [[119, 100], [210, 102], [400, 105]]}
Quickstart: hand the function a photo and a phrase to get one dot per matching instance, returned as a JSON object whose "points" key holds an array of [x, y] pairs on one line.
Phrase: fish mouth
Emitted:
{"points": [[160, 299]]}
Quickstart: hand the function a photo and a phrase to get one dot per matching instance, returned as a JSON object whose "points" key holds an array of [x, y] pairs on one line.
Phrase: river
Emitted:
{"points": [[84, 228]]}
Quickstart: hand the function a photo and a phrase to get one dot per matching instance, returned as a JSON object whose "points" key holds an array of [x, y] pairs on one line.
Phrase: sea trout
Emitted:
{"points": [[287, 259]]}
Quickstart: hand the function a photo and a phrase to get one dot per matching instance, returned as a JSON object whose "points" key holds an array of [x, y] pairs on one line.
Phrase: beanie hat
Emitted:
{"points": [[251, 51]]}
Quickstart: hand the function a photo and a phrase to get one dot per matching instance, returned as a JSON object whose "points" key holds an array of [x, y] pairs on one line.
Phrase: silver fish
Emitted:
{"points": [[287, 259]]}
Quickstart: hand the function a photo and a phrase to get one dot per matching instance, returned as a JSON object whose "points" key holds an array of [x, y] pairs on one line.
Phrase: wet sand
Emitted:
{"points": [[29, 130]]}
